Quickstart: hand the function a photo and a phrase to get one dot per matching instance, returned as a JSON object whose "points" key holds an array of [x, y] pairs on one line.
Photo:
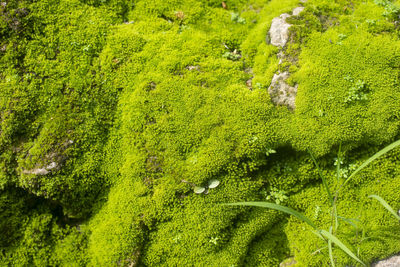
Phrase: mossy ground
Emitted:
{"points": [[136, 100]]}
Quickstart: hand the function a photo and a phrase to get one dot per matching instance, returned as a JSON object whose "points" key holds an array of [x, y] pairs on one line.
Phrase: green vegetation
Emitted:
{"points": [[115, 113], [329, 237]]}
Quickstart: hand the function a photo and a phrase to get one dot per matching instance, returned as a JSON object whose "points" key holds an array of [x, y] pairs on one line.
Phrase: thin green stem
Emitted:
{"points": [[323, 179]]}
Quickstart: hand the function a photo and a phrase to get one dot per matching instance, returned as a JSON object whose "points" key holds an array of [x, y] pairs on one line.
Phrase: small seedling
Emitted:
{"points": [[213, 183], [358, 92], [276, 195], [269, 152], [203, 189], [232, 55], [199, 189], [214, 240], [238, 19], [177, 238]]}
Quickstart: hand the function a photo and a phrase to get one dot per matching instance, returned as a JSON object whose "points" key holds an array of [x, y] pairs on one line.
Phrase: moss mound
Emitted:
{"points": [[112, 112]]}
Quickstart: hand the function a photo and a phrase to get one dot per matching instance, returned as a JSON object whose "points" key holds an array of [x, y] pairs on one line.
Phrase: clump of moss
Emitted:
{"points": [[111, 110]]}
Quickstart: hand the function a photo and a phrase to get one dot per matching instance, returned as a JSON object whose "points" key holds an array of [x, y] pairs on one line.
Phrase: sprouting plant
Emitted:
{"points": [[329, 236], [341, 38], [203, 189], [348, 78], [392, 10], [270, 151], [371, 22], [259, 85], [278, 196], [343, 171], [358, 92], [317, 211], [177, 238], [235, 55], [214, 240], [236, 18], [253, 139]]}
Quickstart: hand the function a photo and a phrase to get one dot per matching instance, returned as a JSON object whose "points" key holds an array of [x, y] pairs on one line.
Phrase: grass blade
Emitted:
{"points": [[377, 155], [349, 221], [330, 249], [342, 246], [276, 207], [323, 179], [386, 205], [338, 163]]}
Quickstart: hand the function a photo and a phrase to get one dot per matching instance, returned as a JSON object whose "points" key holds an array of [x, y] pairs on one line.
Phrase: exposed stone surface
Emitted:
{"points": [[281, 93], [42, 171], [195, 67], [297, 11], [390, 262], [288, 262], [279, 31], [55, 159]]}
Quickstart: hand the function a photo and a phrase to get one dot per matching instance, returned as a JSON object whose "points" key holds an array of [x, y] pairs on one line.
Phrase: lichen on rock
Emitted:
{"points": [[282, 94]]}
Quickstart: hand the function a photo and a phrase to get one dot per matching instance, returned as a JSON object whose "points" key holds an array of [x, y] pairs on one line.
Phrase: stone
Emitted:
{"points": [[279, 31], [43, 170], [297, 11], [288, 262], [281, 93], [195, 67], [55, 160], [389, 262]]}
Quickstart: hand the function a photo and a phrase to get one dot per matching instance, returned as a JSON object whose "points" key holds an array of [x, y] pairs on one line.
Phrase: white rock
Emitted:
{"points": [[281, 93], [279, 31], [297, 10], [42, 171], [39, 171], [390, 262], [51, 166]]}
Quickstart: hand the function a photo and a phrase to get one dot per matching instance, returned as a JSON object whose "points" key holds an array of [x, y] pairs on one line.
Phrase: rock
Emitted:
{"points": [[195, 67], [279, 31], [56, 160], [288, 262], [281, 93], [390, 262], [43, 170], [249, 83], [297, 11]]}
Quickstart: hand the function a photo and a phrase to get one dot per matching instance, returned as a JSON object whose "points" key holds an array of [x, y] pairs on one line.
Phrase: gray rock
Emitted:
{"points": [[279, 31], [281, 93], [195, 67], [43, 170], [55, 160], [297, 10], [390, 262]]}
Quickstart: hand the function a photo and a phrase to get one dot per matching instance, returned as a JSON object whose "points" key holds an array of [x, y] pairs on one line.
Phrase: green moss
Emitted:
{"points": [[137, 103], [373, 233], [329, 85]]}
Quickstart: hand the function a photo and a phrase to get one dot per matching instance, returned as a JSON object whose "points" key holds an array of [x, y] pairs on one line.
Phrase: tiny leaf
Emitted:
{"points": [[199, 189], [213, 184]]}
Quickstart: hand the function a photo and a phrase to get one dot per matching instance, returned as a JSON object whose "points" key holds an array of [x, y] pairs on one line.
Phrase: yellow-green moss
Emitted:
{"points": [[139, 101]]}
